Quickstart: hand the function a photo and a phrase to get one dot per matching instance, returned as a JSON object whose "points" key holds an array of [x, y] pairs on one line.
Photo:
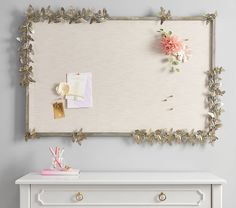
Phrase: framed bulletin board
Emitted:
{"points": [[152, 78]]}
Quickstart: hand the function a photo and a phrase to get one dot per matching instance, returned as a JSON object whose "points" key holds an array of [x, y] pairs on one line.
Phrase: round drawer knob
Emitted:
{"points": [[162, 196], [79, 196]]}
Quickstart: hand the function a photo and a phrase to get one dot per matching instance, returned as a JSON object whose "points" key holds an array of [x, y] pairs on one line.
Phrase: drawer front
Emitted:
{"points": [[48, 196]]}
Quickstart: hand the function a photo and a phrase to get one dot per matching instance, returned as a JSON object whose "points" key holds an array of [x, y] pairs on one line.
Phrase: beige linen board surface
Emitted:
{"points": [[129, 78]]}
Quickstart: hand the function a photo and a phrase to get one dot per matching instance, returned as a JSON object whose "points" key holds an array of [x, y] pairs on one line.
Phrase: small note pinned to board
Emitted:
{"points": [[77, 83], [80, 94]]}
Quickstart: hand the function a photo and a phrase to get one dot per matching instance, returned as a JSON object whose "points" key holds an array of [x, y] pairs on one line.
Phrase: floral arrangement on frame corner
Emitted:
{"points": [[175, 48]]}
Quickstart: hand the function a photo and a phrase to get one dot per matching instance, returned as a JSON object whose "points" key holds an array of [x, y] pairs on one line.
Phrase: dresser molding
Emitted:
{"points": [[122, 189], [197, 203]]}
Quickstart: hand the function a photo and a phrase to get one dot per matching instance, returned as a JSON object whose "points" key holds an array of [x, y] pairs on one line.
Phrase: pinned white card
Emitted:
{"points": [[77, 84], [85, 100]]}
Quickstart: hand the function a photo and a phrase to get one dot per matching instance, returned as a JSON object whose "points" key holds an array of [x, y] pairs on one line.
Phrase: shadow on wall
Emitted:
{"points": [[17, 18]]}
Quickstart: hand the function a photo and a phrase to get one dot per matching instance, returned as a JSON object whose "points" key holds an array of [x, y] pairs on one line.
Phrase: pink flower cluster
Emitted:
{"points": [[175, 48], [171, 45]]}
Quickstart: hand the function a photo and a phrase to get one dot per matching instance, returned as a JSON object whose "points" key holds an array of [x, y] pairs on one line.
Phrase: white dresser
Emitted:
{"points": [[122, 190]]}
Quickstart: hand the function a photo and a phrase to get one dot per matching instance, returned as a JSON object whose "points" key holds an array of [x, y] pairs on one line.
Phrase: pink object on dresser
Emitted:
{"points": [[50, 172]]}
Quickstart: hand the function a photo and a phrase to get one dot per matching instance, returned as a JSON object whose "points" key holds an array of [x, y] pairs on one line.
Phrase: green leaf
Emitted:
{"points": [[175, 62], [170, 59]]}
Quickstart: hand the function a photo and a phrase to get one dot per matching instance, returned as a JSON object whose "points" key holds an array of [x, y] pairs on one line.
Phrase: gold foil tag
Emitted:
{"points": [[58, 110]]}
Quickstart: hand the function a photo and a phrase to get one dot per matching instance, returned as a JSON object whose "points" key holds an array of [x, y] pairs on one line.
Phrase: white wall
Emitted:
{"points": [[18, 157]]}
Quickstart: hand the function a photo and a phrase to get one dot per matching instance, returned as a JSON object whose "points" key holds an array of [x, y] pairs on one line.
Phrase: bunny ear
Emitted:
{"points": [[52, 151]]}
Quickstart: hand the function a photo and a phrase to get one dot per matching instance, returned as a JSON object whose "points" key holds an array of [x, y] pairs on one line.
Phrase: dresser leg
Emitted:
{"points": [[24, 196], [216, 196]]}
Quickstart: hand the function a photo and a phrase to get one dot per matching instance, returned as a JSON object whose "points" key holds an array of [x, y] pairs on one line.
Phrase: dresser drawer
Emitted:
{"points": [[63, 196]]}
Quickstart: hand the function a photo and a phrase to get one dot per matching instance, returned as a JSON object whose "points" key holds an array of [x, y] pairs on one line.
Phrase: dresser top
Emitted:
{"points": [[107, 178]]}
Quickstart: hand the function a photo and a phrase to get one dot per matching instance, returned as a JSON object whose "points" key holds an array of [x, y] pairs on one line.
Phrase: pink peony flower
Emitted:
{"points": [[171, 45]]}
